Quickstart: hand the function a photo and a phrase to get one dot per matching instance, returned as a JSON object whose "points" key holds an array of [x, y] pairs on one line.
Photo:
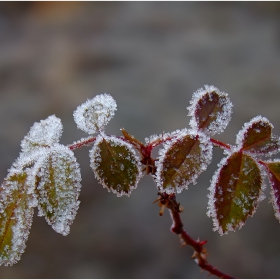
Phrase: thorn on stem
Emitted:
{"points": [[194, 255], [161, 210], [161, 205], [158, 199], [183, 242]]}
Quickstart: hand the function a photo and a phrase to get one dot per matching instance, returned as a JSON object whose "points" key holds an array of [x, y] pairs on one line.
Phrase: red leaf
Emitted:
{"points": [[235, 192], [182, 160], [274, 178], [210, 110], [256, 137]]}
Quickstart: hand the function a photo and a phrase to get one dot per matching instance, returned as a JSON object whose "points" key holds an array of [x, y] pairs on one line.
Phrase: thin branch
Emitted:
{"points": [[220, 144], [200, 253], [81, 143]]}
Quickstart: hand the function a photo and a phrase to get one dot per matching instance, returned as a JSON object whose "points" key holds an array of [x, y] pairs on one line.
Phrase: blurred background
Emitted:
{"points": [[151, 57]]}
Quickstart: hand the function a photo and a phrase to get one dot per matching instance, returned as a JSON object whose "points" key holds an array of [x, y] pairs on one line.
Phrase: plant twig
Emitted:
{"points": [[169, 201], [220, 144], [81, 143]]}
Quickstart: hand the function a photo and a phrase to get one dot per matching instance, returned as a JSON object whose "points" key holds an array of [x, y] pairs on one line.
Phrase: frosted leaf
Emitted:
{"points": [[58, 187], [16, 211], [163, 137], [115, 165], [210, 110], [235, 192], [42, 134], [93, 115], [182, 160], [27, 160], [255, 137], [273, 168]]}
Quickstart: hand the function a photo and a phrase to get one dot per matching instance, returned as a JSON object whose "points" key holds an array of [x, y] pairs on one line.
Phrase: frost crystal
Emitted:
{"points": [[210, 110], [58, 187], [273, 170], [165, 137], [182, 160], [256, 137], [93, 115], [115, 165], [16, 211], [44, 133], [235, 192]]}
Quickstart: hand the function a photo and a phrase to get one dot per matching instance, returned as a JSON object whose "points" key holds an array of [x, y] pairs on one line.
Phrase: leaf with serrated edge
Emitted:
{"points": [[115, 164], [256, 137], [58, 187], [210, 110], [273, 168], [16, 211], [235, 192], [182, 160]]}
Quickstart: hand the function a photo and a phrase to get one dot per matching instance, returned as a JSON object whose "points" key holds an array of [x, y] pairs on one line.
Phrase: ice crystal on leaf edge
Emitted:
{"points": [[124, 164], [220, 119], [43, 133], [212, 211], [269, 147], [19, 193], [93, 115], [58, 187], [182, 179]]}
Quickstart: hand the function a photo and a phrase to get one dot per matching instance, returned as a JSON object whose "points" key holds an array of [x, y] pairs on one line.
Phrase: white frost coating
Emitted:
{"points": [[164, 137], [204, 159], [43, 133], [275, 192], [95, 159], [241, 136], [263, 183], [211, 201], [17, 195], [93, 115], [58, 188], [223, 118]]}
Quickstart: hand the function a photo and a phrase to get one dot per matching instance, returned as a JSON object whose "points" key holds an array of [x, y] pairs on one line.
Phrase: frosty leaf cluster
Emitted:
{"points": [[46, 174]]}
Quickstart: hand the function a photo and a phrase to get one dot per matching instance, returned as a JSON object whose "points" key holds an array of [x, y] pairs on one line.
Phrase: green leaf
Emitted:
{"points": [[236, 189], [210, 110], [182, 160], [256, 137], [274, 178], [58, 188], [115, 164], [16, 212]]}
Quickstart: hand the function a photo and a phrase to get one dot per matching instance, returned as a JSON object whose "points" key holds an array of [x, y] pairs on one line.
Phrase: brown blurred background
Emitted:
{"points": [[151, 57]]}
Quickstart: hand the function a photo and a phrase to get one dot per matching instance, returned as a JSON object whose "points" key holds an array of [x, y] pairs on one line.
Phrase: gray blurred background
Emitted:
{"points": [[151, 57]]}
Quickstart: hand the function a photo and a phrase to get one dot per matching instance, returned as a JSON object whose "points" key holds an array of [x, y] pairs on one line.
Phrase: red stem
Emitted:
{"points": [[81, 143], [220, 144], [200, 253]]}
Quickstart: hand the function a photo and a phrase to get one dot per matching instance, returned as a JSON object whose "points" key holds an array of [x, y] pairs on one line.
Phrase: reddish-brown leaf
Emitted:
{"points": [[256, 137], [210, 110], [182, 160], [235, 192], [274, 178]]}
